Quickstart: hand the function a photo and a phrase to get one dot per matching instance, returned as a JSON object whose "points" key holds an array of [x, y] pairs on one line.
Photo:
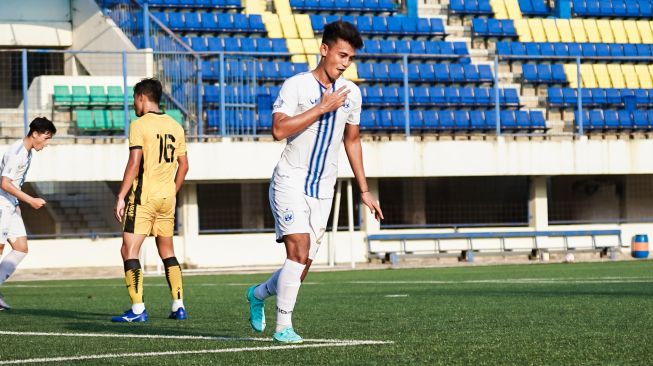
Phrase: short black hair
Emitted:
{"points": [[41, 125], [151, 88], [342, 30]]}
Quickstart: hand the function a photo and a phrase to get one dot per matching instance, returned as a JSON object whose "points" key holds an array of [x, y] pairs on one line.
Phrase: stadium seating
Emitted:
{"points": [[98, 96], [377, 6], [599, 97], [604, 120]]}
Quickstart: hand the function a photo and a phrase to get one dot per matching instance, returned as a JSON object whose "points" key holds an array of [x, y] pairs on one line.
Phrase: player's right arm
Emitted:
{"points": [[136, 142], [284, 126], [8, 186]]}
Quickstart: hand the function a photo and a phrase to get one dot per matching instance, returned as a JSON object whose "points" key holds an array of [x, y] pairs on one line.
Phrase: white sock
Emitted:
{"points": [[287, 290], [138, 308], [9, 264], [177, 303], [267, 288]]}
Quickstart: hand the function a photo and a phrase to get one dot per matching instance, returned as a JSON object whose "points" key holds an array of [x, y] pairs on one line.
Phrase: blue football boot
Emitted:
{"points": [[180, 314], [130, 317], [287, 335], [256, 310]]}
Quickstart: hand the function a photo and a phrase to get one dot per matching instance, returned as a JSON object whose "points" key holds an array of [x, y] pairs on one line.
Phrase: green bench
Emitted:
{"points": [[95, 95]]}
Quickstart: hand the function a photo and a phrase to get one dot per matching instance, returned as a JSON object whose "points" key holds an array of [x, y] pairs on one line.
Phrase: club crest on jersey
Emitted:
{"points": [[347, 104], [288, 217], [278, 103]]}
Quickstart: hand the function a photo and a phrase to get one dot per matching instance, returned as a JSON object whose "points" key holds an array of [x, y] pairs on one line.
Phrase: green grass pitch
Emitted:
{"points": [[553, 314]]}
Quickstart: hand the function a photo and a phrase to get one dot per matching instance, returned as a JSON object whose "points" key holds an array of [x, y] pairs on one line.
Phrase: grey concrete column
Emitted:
{"points": [[538, 210], [189, 220]]}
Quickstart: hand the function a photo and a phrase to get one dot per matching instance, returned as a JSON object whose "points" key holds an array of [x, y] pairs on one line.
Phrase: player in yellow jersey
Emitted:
{"points": [[154, 174]]}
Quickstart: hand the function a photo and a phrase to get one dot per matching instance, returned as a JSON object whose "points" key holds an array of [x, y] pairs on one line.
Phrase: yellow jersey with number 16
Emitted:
{"points": [[162, 140]]}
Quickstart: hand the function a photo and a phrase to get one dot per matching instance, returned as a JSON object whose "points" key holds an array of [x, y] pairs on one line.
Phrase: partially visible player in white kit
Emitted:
{"points": [[315, 111], [13, 170]]}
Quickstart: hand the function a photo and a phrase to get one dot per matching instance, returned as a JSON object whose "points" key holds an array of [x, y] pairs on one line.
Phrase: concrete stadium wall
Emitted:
{"points": [[235, 161], [36, 23], [243, 251]]}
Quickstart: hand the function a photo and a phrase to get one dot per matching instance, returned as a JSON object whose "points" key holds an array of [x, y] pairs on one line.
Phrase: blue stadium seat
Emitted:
{"points": [[456, 73], [611, 119], [461, 120], [554, 96], [599, 96], [430, 120], [263, 45], [231, 45], [368, 118], [379, 25], [477, 120], [491, 120], [395, 72], [640, 120], [446, 120], [279, 45], [570, 96], [211, 94], [365, 71], [247, 44], [485, 73], [441, 72], [523, 120], [175, 21], [372, 46], [413, 72], [426, 72], [402, 46], [452, 96], [510, 97], [198, 44], [471, 73], [508, 121], [436, 96], [625, 119], [482, 96], [192, 22], [399, 119], [467, 96], [394, 25], [216, 44], [390, 95], [421, 95], [418, 47], [409, 26]]}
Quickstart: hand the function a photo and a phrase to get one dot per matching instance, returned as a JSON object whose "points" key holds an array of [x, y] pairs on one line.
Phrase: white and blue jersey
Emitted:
{"points": [[14, 166], [309, 163]]}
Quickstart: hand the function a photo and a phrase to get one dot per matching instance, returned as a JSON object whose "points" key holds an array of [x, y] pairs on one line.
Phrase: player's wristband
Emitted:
{"points": [[365, 192]]}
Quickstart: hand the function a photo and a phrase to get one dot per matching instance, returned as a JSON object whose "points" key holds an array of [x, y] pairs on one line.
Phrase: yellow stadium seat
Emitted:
{"points": [[650, 70], [351, 73], [304, 26], [296, 47], [572, 75], [616, 76], [537, 30], [312, 61], [255, 6], [499, 9], [587, 76], [644, 28], [578, 29], [282, 7], [272, 25], [288, 26], [311, 47], [524, 33], [564, 29], [592, 31], [644, 77], [630, 76], [551, 30], [605, 31], [619, 31], [632, 32], [601, 73], [512, 6]]}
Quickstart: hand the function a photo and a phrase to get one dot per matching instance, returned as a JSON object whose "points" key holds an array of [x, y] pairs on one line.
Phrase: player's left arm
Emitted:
{"points": [[131, 171], [354, 151]]}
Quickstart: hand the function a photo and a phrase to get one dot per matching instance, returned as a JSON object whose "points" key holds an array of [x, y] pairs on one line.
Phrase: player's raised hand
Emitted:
{"points": [[119, 210], [333, 100], [37, 203], [375, 207]]}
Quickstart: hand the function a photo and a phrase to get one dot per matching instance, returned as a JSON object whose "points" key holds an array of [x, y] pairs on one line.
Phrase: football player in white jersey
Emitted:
{"points": [[13, 169], [315, 111]]}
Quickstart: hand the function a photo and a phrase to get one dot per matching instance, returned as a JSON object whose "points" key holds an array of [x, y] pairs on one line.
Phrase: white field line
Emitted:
{"points": [[610, 279], [182, 337], [188, 352], [397, 295]]}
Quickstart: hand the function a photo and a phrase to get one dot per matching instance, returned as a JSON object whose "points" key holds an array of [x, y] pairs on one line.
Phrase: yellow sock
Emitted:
{"points": [[173, 275], [134, 280]]}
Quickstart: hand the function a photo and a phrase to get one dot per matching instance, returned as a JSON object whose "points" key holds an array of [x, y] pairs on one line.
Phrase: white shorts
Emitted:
{"points": [[11, 224], [296, 213]]}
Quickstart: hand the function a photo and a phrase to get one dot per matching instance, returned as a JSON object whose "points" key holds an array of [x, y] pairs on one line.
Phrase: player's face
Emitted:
{"points": [[41, 140], [138, 104], [337, 58]]}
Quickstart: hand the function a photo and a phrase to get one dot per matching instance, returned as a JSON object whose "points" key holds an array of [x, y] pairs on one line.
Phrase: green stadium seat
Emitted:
{"points": [[118, 119], [102, 119], [85, 120], [80, 95], [115, 95], [176, 115], [98, 95], [62, 95]]}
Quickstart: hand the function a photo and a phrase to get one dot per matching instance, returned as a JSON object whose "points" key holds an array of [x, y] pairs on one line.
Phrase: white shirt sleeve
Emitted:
{"points": [[354, 117], [288, 99], [11, 166]]}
